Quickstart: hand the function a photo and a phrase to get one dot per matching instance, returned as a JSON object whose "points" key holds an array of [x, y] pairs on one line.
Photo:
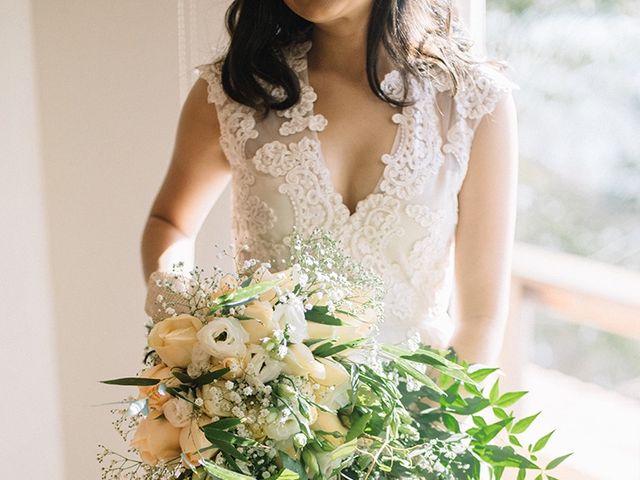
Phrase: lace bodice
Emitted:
{"points": [[404, 229]]}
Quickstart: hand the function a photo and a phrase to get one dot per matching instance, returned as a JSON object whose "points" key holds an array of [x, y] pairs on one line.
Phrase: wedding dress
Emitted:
{"points": [[404, 229]]}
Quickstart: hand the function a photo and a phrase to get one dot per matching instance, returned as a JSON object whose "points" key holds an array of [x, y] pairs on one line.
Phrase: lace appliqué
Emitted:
{"points": [[374, 224], [211, 73], [459, 138], [308, 187], [480, 91], [300, 116], [418, 155]]}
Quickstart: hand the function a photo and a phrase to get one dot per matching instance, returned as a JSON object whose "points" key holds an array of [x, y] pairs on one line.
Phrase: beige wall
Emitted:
{"points": [[30, 427], [109, 101]]}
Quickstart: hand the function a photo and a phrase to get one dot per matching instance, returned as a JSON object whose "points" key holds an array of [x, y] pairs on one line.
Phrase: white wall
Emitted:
{"points": [[109, 96], [29, 441]]}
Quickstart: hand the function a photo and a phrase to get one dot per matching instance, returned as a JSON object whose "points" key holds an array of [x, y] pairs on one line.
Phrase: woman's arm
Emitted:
{"points": [[197, 176], [484, 236]]}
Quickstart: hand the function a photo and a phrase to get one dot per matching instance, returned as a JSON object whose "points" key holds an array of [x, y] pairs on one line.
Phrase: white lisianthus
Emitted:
{"points": [[260, 366], [223, 337], [327, 463], [178, 412], [200, 361], [334, 397], [291, 315], [283, 428]]}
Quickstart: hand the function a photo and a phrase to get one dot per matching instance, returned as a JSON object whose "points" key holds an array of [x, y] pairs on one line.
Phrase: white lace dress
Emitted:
{"points": [[404, 229]]}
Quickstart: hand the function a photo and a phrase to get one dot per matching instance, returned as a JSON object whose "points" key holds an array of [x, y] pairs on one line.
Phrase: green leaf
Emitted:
{"points": [[344, 450], [292, 465], [222, 473], [522, 425], [500, 413], [230, 450], [472, 389], [329, 349], [136, 381], [557, 461], [450, 422], [286, 474], [405, 367], [513, 440], [495, 392], [243, 295], [502, 457], [215, 434], [358, 427], [210, 377], [320, 315], [509, 399], [479, 421], [522, 473], [482, 373], [225, 423], [488, 433], [540, 444], [182, 376]]}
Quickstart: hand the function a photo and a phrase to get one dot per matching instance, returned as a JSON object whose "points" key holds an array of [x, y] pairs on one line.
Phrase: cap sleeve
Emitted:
{"points": [[478, 93], [212, 74], [481, 89]]}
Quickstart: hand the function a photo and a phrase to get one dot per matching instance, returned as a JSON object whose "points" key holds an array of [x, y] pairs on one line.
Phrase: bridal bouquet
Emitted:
{"points": [[276, 375]]}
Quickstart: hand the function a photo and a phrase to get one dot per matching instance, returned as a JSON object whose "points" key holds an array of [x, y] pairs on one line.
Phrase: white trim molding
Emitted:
{"points": [[473, 14]]}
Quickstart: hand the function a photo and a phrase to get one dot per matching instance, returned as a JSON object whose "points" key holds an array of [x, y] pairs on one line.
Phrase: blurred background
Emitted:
{"points": [[89, 100]]}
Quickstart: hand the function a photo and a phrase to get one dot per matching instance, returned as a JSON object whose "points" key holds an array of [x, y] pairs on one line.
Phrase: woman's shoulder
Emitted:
{"points": [[475, 90], [211, 73]]}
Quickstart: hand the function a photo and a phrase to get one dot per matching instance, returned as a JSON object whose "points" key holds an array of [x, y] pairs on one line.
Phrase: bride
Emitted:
{"points": [[369, 119]]}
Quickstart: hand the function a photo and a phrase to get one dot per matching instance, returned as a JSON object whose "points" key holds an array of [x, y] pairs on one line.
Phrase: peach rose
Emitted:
{"points": [[261, 323], [155, 398], [193, 441], [156, 440], [178, 412], [215, 403], [173, 339]]}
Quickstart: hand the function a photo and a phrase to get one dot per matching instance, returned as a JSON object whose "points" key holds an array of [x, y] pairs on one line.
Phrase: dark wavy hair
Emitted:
{"points": [[408, 30]]}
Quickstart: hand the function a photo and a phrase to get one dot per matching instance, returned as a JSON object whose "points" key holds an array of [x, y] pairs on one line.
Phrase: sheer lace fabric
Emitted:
{"points": [[404, 229]]}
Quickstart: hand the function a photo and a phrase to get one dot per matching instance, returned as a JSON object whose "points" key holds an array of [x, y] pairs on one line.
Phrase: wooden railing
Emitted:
{"points": [[578, 289]]}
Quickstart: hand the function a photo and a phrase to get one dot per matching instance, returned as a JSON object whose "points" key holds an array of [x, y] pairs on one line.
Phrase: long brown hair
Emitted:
{"points": [[416, 34]]}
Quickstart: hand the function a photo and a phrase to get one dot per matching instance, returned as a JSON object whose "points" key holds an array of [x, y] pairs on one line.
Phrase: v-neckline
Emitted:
{"points": [[322, 164]]}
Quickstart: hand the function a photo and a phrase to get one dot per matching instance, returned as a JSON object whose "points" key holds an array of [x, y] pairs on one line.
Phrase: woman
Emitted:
{"points": [[367, 118]]}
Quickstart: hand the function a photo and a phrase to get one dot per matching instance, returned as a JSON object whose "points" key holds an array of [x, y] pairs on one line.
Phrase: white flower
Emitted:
{"points": [[215, 404], [283, 428], [300, 361], [336, 397], [200, 359], [291, 315], [223, 337], [178, 412], [260, 366]]}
